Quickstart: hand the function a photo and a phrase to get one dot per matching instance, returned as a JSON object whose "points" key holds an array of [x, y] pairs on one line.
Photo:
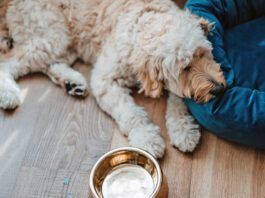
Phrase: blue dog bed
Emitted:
{"points": [[239, 46]]}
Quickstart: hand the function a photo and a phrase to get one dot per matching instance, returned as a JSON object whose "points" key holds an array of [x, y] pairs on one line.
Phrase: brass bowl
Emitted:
{"points": [[127, 172]]}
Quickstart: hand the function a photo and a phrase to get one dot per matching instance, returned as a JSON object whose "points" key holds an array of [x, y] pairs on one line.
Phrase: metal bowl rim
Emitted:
{"points": [[146, 154]]}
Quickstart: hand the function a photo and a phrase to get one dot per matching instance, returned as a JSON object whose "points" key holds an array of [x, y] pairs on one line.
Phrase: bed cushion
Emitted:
{"points": [[238, 40]]}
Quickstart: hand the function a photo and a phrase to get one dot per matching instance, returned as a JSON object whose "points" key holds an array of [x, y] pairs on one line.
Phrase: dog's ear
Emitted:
{"points": [[206, 25], [150, 79]]}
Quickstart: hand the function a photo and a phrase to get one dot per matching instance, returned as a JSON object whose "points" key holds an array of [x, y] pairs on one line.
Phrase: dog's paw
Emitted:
{"points": [[6, 44], [9, 92], [185, 135], [77, 86], [187, 141], [9, 98], [147, 137]]}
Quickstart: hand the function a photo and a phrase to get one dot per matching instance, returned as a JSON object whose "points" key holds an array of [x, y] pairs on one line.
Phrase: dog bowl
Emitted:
{"points": [[127, 173]]}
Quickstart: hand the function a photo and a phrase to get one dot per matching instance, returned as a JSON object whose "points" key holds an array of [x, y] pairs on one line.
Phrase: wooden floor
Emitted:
{"points": [[50, 143]]}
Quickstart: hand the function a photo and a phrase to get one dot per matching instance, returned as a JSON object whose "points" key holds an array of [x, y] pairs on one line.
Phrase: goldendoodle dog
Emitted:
{"points": [[148, 43]]}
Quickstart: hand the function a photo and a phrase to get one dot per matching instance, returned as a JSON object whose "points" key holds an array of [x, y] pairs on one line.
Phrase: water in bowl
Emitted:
{"points": [[130, 181]]}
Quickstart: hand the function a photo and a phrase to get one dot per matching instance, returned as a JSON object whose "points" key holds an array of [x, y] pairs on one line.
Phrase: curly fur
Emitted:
{"points": [[129, 42]]}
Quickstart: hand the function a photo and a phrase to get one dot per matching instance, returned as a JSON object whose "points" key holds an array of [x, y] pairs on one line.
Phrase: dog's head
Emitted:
{"points": [[189, 72], [201, 80]]}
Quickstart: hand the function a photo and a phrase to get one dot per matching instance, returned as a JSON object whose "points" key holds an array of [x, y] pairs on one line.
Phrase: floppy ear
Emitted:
{"points": [[206, 25], [150, 79]]}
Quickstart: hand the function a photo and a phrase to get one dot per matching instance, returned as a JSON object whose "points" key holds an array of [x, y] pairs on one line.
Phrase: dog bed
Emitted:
{"points": [[238, 40]]}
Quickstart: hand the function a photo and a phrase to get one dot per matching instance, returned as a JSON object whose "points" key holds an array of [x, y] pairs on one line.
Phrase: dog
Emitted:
{"points": [[151, 44], [6, 43]]}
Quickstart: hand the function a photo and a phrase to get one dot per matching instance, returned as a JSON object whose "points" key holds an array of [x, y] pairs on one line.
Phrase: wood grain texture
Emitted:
{"points": [[53, 137], [216, 169]]}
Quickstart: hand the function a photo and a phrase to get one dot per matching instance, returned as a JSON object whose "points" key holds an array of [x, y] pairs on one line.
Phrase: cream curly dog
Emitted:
{"points": [[149, 43]]}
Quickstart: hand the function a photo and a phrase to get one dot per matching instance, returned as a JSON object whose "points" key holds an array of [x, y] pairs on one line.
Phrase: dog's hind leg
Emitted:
{"points": [[36, 49], [9, 91], [184, 132], [16, 65], [41, 39], [115, 99], [36, 56]]}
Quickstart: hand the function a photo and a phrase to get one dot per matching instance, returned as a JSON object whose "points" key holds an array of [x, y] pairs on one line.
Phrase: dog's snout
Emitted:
{"points": [[218, 89]]}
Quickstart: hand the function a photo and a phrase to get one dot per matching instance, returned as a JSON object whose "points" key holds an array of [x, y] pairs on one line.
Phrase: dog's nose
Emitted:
{"points": [[218, 89]]}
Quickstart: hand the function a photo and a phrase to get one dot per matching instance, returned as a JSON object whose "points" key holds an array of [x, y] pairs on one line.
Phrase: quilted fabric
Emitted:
{"points": [[238, 40]]}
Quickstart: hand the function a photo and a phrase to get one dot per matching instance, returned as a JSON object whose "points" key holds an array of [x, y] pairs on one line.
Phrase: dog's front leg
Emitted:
{"points": [[74, 82], [116, 100], [184, 132]]}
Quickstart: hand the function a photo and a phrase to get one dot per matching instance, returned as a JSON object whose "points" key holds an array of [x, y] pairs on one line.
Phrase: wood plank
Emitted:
{"points": [[51, 132], [53, 137], [16, 131], [217, 168], [203, 167], [55, 183], [232, 174], [176, 166], [224, 169], [180, 3], [258, 175]]}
